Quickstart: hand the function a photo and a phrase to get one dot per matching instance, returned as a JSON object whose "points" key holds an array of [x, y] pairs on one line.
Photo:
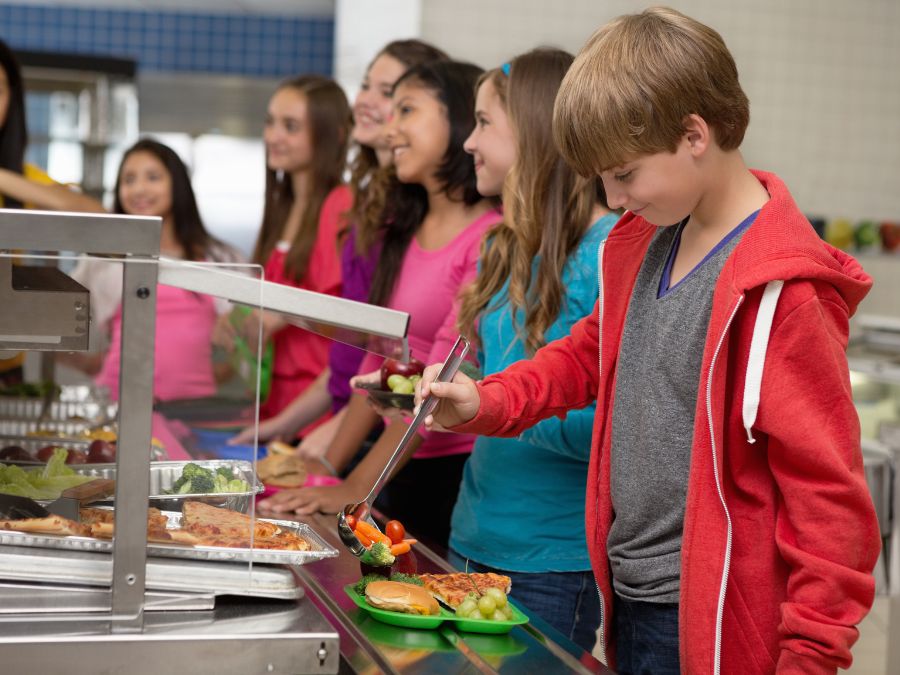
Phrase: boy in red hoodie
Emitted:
{"points": [[728, 518]]}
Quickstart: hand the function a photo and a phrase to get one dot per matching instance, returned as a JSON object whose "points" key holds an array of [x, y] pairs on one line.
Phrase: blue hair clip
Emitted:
{"points": [[506, 67]]}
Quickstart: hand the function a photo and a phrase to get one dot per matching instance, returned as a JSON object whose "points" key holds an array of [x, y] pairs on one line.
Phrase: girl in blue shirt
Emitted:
{"points": [[520, 509]]}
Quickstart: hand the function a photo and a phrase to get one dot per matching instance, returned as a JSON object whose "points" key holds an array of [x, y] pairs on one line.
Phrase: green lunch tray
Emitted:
{"points": [[433, 621]]}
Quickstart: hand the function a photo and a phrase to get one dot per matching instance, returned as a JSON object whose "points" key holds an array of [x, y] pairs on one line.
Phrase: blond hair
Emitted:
{"points": [[634, 83], [547, 206]]}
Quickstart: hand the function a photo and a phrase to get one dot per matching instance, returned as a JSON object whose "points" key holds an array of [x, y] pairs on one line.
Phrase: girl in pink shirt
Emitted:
{"points": [[430, 250], [153, 181], [306, 134]]}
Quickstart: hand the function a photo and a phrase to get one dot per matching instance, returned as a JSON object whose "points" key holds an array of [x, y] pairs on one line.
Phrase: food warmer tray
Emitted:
{"points": [[319, 548], [164, 474], [93, 569]]}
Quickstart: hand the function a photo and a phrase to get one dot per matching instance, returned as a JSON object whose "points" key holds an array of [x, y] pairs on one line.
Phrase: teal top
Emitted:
{"points": [[521, 501]]}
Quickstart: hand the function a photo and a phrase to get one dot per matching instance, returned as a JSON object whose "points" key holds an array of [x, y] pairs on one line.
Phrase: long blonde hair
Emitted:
{"points": [[547, 206]]}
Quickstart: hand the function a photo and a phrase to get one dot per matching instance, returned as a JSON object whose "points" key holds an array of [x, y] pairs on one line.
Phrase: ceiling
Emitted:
{"points": [[281, 7]]}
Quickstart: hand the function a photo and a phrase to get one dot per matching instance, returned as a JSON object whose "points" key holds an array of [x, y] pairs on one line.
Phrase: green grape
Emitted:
{"points": [[466, 607], [486, 606], [404, 387], [498, 615], [507, 612], [498, 596], [395, 381]]}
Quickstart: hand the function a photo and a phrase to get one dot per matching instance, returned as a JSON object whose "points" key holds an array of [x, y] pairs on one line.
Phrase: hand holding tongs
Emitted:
{"points": [[362, 509]]}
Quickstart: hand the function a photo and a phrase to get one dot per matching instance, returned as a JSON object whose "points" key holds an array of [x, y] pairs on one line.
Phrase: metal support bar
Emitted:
{"points": [[133, 456]]}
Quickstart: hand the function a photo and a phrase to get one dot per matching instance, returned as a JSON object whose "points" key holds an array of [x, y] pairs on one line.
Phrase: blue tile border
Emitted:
{"points": [[235, 44]]}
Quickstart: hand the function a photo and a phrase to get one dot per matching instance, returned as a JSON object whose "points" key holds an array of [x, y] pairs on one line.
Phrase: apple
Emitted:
{"points": [[76, 457], [101, 452], [45, 453], [15, 453], [395, 367]]}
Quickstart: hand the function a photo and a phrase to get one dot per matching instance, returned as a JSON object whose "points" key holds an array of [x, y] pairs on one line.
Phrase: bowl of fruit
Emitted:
{"points": [[397, 386]]}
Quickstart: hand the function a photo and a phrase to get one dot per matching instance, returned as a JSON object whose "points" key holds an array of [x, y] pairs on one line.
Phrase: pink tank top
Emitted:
{"points": [[183, 365]]}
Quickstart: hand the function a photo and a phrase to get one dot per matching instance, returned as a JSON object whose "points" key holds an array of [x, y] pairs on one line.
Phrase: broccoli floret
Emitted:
{"points": [[184, 489], [190, 470], [202, 483], [360, 586], [408, 578], [225, 472], [378, 555]]}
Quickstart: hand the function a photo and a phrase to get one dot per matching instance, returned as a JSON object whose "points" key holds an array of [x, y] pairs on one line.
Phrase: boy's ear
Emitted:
{"points": [[697, 133]]}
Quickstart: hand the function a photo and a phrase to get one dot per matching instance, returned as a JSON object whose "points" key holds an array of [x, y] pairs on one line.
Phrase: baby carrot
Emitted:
{"points": [[364, 540], [372, 532], [400, 549]]}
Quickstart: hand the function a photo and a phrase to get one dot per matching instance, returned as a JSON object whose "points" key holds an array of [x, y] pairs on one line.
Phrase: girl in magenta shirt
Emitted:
{"points": [[360, 249], [436, 219]]}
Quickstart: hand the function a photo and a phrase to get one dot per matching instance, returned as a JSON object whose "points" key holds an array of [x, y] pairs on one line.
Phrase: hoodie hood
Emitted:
{"points": [[782, 245]]}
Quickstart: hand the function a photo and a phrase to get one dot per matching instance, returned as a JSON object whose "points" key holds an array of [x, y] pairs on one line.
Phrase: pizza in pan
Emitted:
{"points": [[452, 589], [48, 525], [202, 525]]}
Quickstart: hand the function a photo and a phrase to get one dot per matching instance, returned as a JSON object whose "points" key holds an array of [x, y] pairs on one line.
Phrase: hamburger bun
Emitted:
{"points": [[281, 470], [397, 596]]}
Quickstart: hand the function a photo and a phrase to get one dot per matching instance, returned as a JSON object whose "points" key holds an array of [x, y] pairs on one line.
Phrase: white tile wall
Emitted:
{"points": [[823, 77]]}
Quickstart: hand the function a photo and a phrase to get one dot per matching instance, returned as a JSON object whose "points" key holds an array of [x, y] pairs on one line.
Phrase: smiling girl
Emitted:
{"points": [[370, 176], [437, 219], [153, 181], [306, 134], [537, 277]]}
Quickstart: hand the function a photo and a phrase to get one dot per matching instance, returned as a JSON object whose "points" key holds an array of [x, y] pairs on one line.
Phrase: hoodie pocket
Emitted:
{"points": [[750, 649]]}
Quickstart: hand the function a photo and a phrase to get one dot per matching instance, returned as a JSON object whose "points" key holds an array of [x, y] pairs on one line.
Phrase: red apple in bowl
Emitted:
{"points": [[101, 452], [15, 453], [45, 453], [76, 457], [395, 367]]}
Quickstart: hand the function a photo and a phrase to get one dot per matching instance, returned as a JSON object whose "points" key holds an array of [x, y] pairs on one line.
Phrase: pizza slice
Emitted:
{"points": [[49, 525], [203, 519], [452, 589]]}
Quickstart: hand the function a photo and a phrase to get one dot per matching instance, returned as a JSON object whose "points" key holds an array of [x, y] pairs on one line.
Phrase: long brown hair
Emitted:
{"points": [[547, 206], [328, 117], [370, 182]]}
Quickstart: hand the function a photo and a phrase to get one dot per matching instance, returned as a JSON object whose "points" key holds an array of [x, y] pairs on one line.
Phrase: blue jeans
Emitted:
{"points": [[568, 601], [646, 637]]}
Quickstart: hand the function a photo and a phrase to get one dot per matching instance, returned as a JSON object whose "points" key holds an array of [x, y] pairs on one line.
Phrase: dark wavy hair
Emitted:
{"points": [[14, 132], [189, 229], [453, 84], [369, 181]]}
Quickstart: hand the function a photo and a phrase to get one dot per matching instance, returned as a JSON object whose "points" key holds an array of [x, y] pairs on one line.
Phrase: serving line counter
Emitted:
{"points": [[368, 646]]}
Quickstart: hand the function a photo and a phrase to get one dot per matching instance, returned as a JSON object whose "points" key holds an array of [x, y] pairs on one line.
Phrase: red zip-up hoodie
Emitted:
{"points": [[780, 535]]}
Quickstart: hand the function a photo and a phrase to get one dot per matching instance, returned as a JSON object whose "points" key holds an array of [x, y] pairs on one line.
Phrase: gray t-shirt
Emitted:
{"points": [[653, 417]]}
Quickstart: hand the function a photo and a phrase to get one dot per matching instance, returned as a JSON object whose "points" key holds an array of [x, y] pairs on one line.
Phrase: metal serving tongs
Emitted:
{"points": [[362, 510]]}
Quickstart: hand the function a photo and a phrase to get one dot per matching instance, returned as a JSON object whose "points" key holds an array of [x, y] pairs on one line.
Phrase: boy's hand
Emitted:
{"points": [[459, 399]]}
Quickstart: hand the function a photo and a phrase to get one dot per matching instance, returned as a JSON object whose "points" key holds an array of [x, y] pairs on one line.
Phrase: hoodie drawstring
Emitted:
{"points": [[757, 359]]}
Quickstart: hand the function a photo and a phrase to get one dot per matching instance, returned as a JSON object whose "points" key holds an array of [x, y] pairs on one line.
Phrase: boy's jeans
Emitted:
{"points": [[646, 637]]}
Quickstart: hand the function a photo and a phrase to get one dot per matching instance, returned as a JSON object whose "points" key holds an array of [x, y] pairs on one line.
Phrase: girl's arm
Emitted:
{"points": [[306, 408], [358, 423], [52, 197], [333, 498]]}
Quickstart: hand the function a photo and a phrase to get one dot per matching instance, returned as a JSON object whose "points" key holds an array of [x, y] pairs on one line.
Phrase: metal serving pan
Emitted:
{"points": [[319, 548], [95, 569], [164, 474]]}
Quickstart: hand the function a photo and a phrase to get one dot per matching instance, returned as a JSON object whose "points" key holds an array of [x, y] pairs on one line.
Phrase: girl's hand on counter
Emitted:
{"points": [[306, 501], [269, 430]]}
